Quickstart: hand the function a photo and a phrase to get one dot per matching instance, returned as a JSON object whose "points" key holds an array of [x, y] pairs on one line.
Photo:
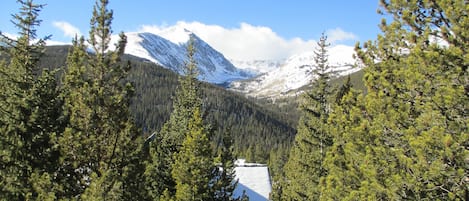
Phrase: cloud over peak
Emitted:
{"points": [[246, 42], [337, 35], [243, 43], [68, 29]]}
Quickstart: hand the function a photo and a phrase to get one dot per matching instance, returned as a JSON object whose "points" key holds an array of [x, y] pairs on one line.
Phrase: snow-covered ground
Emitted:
{"points": [[253, 179]]}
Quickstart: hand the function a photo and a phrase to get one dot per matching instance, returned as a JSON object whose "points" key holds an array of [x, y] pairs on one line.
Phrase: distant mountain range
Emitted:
{"points": [[258, 78], [294, 73]]}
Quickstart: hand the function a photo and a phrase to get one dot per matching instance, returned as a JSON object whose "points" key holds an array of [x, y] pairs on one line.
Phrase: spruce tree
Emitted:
{"points": [[304, 167], [186, 99], [344, 167], [29, 112], [225, 182], [194, 168], [277, 159], [169, 140], [158, 180]]}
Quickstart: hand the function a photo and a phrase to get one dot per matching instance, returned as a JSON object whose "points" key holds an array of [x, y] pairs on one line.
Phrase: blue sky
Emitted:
{"points": [[345, 21]]}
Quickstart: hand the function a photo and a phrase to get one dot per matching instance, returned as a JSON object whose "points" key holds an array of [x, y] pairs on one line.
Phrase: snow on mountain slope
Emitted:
{"points": [[257, 66], [156, 49], [295, 73], [172, 54]]}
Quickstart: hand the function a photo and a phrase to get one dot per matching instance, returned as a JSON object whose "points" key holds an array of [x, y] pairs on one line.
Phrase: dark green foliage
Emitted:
{"points": [[194, 168], [304, 167], [76, 138], [185, 139], [344, 169], [406, 139], [186, 101], [100, 140], [29, 113], [356, 81], [158, 180], [225, 182], [277, 159]]}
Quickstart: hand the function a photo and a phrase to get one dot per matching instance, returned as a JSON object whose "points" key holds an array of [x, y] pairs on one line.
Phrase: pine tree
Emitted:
{"points": [[46, 124], [29, 112], [304, 167], [101, 138], [427, 92], [133, 173], [77, 136], [112, 125], [407, 138], [343, 91]]}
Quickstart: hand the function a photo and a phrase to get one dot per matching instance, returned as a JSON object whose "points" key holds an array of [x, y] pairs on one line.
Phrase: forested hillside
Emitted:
{"points": [[254, 127]]}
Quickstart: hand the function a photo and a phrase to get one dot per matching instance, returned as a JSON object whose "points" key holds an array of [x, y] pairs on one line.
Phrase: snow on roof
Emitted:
{"points": [[254, 179]]}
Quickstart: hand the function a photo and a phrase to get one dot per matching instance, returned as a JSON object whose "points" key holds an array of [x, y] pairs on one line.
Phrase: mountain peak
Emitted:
{"points": [[170, 52]]}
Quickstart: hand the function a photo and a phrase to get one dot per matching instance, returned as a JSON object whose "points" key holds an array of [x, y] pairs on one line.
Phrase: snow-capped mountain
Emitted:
{"points": [[295, 73], [172, 54]]}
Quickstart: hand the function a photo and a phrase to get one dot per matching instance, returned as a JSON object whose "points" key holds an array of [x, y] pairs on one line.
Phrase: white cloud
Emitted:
{"points": [[337, 34], [53, 42], [10, 35], [246, 42], [68, 29], [48, 42]]}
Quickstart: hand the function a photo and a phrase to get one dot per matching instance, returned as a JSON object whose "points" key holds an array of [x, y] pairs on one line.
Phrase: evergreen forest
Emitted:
{"points": [[88, 122]]}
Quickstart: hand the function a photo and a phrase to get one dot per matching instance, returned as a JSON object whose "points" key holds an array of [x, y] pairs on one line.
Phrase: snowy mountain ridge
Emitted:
{"points": [[172, 54], [295, 73]]}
